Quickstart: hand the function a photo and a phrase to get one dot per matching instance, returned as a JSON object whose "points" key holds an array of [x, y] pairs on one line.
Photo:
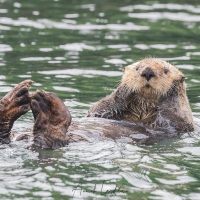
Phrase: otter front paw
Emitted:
{"points": [[12, 106]]}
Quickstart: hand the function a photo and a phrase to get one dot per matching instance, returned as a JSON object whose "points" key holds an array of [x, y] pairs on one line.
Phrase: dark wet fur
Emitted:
{"points": [[12, 106], [52, 119], [121, 104]]}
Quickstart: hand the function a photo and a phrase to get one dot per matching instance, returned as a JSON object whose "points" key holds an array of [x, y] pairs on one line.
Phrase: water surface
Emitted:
{"points": [[78, 49]]}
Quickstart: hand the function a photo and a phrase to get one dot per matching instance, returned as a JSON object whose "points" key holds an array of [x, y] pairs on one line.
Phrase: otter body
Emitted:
{"points": [[150, 103], [118, 130]]}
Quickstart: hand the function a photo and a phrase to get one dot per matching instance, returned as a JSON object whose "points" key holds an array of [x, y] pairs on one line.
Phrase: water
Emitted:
{"points": [[78, 49]]}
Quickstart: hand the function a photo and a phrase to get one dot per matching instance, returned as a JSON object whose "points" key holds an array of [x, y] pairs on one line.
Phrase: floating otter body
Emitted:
{"points": [[150, 102]]}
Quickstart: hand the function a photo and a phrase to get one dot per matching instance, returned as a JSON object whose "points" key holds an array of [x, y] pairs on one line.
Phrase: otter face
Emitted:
{"points": [[151, 76], [52, 119], [12, 106]]}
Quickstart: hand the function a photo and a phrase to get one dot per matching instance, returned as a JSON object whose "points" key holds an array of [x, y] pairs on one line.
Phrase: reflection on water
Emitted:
{"points": [[78, 50]]}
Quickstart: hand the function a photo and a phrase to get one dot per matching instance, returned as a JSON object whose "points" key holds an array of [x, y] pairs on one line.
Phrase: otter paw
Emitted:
{"points": [[52, 119], [12, 106]]}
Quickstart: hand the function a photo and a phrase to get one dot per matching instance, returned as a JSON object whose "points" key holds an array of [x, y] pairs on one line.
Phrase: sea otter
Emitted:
{"points": [[150, 102], [151, 91]]}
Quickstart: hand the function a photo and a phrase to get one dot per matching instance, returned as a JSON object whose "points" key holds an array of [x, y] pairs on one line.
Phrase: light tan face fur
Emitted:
{"points": [[158, 85]]}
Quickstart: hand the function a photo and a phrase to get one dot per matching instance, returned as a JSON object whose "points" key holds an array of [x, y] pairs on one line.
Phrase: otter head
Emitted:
{"points": [[52, 119], [151, 77], [12, 106]]}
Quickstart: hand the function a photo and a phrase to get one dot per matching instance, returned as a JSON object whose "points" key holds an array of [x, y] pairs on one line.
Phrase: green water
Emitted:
{"points": [[78, 49]]}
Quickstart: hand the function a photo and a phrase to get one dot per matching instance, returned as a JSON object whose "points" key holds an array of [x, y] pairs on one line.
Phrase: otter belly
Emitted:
{"points": [[91, 129]]}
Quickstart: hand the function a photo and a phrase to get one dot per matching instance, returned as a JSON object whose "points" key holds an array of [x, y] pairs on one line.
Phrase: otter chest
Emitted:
{"points": [[141, 110]]}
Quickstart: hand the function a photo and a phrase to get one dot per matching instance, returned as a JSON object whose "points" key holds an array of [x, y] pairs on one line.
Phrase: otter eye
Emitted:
{"points": [[166, 71], [137, 68]]}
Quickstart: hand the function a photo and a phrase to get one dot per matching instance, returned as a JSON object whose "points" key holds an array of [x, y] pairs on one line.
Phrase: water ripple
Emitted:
{"points": [[21, 22], [184, 17], [45, 23], [76, 72], [135, 180], [67, 89], [169, 6], [180, 180], [156, 46], [116, 61], [35, 59], [77, 47], [5, 48]]}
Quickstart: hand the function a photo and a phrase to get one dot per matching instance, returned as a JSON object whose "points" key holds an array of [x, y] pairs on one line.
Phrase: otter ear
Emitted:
{"points": [[124, 69], [127, 68], [182, 79]]}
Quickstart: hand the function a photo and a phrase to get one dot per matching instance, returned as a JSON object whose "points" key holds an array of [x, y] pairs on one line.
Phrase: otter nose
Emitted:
{"points": [[148, 74]]}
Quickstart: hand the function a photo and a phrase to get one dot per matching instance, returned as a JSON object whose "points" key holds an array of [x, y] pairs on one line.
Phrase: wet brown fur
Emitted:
{"points": [[12, 106], [52, 119], [160, 102]]}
